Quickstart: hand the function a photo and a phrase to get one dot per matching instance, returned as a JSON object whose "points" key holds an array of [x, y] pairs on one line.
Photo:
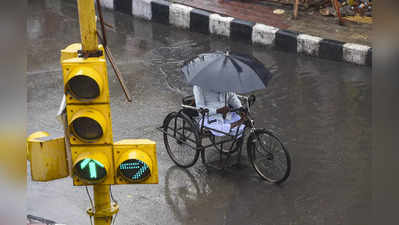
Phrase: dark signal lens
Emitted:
{"points": [[83, 87], [87, 128]]}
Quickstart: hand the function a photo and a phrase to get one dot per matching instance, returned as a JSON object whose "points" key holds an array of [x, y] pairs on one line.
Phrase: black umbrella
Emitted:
{"points": [[224, 71]]}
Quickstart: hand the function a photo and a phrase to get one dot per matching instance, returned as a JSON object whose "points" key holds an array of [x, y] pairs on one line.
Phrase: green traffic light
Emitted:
{"points": [[90, 169], [134, 170]]}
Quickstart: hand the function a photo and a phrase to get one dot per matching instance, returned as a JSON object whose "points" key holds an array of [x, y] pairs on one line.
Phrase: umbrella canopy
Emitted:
{"points": [[224, 71]]}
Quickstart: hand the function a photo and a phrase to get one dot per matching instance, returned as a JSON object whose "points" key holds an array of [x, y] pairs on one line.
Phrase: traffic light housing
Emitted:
{"points": [[89, 125], [135, 162], [47, 156], [85, 80], [87, 151], [95, 158]]}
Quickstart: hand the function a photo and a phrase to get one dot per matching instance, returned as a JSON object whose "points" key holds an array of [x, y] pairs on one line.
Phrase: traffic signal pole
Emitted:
{"points": [[102, 203], [103, 210], [88, 153], [88, 28]]}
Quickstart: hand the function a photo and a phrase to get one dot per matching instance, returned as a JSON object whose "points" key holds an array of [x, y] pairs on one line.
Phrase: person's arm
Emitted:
{"points": [[237, 123], [200, 100]]}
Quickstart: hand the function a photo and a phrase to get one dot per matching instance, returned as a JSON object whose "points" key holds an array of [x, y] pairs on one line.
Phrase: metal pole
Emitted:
{"points": [[87, 21], [103, 210], [116, 70], [100, 14], [296, 9]]}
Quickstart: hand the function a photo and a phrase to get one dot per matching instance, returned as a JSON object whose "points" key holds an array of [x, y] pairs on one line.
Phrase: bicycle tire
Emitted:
{"points": [[254, 157], [171, 143]]}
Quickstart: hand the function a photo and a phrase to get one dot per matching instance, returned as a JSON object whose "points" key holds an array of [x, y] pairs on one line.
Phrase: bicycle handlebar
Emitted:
{"points": [[242, 96], [188, 107]]}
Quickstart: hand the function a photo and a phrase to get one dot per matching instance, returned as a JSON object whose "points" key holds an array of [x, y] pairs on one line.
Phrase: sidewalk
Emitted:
{"points": [[308, 22]]}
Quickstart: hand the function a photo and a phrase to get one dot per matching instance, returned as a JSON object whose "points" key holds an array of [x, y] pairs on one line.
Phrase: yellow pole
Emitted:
{"points": [[103, 210], [87, 21]]}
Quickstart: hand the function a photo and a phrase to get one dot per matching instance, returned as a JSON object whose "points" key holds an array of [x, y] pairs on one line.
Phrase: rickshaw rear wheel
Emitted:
{"points": [[181, 139], [268, 156]]}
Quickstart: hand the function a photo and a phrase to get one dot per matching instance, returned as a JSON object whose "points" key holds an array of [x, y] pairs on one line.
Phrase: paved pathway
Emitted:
{"points": [[308, 22]]}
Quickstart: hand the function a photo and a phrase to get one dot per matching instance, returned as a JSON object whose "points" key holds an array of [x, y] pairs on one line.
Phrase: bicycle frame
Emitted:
{"points": [[176, 133], [187, 127], [249, 124]]}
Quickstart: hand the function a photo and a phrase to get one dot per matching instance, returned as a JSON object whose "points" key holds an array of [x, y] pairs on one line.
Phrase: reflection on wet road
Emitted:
{"points": [[320, 109]]}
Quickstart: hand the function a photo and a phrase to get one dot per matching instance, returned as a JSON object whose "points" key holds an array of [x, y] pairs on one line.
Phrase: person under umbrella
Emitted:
{"points": [[219, 117], [216, 77]]}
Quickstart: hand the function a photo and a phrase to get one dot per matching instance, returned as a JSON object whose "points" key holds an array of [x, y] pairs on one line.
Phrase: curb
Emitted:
{"points": [[198, 20]]}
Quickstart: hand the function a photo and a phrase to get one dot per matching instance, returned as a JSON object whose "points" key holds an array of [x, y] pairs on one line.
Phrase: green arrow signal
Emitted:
{"points": [[92, 166]]}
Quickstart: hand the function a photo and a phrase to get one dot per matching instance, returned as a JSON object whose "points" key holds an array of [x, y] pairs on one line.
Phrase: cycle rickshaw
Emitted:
{"points": [[186, 139]]}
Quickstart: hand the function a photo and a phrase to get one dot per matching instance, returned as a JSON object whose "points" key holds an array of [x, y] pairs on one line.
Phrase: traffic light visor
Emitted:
{"points": [[84, 83]]}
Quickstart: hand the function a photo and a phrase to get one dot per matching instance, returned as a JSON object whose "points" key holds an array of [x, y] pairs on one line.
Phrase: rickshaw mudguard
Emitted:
{"points": [[172, 114], [191, 120]]}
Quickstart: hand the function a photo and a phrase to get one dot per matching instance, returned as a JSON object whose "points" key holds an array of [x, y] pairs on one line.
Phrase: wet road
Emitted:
{"points": [[320, 109]]}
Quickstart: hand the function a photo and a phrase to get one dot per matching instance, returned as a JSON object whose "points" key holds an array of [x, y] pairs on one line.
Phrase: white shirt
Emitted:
{"points": [[215, 100]]}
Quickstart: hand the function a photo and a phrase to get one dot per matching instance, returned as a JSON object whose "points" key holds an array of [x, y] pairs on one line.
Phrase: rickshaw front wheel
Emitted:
{"points": [[268, 156]]}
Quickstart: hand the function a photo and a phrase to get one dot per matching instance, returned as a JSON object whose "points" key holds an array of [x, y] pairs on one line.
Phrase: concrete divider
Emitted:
{"points": [[264, 34], [198, 20], [219, 25], [142, 9], [287, 40], [241, 30], [308, 45], [355, 53], [179, 15], [331, 49], [160, 11], [107, 4]]}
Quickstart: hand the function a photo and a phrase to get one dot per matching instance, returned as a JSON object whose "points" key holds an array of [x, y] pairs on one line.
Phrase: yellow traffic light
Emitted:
{"points": [[135, 161], [89, 125], [85, 79], [95, 158], [87, 152], [84, 83]]}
